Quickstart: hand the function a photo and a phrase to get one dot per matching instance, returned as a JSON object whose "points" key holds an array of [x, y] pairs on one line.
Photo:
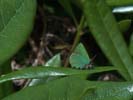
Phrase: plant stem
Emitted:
{"points": [[76, 40]]}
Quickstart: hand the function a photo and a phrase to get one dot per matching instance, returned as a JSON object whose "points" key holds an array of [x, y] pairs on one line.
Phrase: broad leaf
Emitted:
{"points": [[76, 89], [16, 22], [79, 58], [41, 72], [105, 30]]}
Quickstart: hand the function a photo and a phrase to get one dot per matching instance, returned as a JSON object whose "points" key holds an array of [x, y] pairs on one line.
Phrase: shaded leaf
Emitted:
{"points": [[119, 2], [16, 22], [112, 3], [41, 72], [131, 45], [105, 30], [79, 58], [71, 88], [124, 25]]}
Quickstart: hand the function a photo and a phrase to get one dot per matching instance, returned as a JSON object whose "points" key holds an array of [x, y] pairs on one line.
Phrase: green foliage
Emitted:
{"points": [[105, 30], [54, 82], [41, 72], [124, 25], [53, 62], [72, 88], [131, 45], [16, 22]]}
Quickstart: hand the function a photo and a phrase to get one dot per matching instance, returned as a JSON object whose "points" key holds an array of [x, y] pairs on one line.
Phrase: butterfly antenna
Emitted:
{"points": [[92, 59]]}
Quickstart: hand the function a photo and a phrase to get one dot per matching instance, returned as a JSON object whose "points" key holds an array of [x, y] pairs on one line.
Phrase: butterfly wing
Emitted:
{"points": [[79, 57]]}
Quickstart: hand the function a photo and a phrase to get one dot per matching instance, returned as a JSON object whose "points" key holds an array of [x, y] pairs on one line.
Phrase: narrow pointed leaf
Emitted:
{"points": [[106, 32], [72, 88], [41, 72]]}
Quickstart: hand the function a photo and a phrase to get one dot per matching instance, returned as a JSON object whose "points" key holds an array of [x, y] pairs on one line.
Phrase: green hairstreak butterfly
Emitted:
{"points": [[79, 58]]}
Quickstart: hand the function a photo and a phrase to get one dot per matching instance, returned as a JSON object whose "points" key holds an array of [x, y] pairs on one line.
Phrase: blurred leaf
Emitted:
{"points": [[119, 2], [53, 62], [76, 89], [123, 9], [41, 72], [79, 58], [131, 45], [124, 25], [67, 6], [112, 3], [16, 22], [105, 30], [6, 88]]}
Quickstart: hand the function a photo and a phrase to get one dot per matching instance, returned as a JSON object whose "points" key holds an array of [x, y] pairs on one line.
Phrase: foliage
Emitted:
{"points": [[54, 82]]}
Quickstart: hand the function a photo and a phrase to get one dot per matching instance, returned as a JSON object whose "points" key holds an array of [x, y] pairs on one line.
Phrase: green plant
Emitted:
{"points": [[54, 82]]}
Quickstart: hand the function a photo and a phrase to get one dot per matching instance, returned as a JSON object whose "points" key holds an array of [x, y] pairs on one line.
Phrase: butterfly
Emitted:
{"points": [[79, 58]]}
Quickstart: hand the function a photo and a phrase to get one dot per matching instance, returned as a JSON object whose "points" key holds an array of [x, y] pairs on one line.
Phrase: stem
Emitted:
{"points": [[76, 40]]}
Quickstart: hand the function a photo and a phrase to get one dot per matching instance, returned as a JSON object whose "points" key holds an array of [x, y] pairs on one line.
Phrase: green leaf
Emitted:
{"points": [[124, 25], [105, 30], [79, 58], [112, 3], [53, 62], [131, 45], [16, 22], [41, 72], [8, 85], [71, 88], [120, 2]]}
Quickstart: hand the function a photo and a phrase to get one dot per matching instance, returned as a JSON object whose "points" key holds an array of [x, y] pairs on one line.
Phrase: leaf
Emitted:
{"points": [[105, 30], [123, 9], [112, 3], [131, 45], [8, 85], [53, 62], [16, 22], [124, 25], [120, 2], [41, 72], [79, 58], [71, 88]]}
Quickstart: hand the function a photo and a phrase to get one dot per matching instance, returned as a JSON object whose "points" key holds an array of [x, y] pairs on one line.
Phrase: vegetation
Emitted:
{"points": [[95, 48]]}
